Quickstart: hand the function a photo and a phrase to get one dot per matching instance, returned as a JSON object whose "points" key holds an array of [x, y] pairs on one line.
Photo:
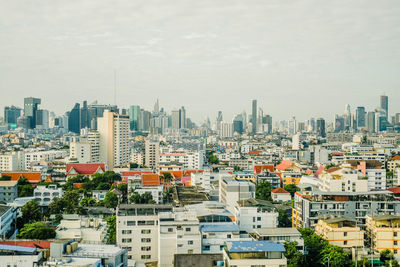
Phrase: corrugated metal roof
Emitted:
{"points": [[254, 246], [220, 228], [17, 248]]}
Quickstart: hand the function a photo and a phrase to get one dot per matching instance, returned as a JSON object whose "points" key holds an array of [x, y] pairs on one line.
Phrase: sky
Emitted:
{"points": [[303, 58]]}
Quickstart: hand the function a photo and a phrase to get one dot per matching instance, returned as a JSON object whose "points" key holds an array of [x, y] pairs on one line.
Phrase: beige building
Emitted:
{"points": [[340, 231], [80, 151], [385, 232], [114, 139], [394, 163], [152, 153], [342, 179]]}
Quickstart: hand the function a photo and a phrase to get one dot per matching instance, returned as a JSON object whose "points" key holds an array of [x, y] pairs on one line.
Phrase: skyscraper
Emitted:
{"points": [[175, 118], [30, 107], [371, 121], [254, 117], [238, 124], [385, 104], [11, 114], [360, 117], [74, 119], [85, 120], [134, 112], [114, 139], [321, 127], [182, 118]]}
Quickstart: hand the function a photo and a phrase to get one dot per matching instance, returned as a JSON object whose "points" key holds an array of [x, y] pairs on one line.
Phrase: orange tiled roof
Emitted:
{"points": [[279, 190], [28, 243], [397, 157], [150, 179], [33, 177], [260, 168], [333, 169], [284, 165]]}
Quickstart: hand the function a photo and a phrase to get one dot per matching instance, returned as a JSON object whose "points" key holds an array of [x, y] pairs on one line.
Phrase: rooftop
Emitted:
{"points": [[101, 251], [8, 183], [220, 228], [277, 231], [254, 246]]}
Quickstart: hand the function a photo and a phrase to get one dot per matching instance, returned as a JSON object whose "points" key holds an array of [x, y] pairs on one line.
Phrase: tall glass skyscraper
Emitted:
{"points": [[30, 107], [254, 117], [385, 104]]}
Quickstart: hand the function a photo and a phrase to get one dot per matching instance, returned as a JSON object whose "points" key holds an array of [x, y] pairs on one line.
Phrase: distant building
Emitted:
{"points": [[152, 153], [30, 107], [8, 191]]}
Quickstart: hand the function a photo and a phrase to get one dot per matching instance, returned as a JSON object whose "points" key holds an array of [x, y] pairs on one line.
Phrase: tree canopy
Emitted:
{"points": [[37, 230], [111, 200], [263, 191], [145, 198]]}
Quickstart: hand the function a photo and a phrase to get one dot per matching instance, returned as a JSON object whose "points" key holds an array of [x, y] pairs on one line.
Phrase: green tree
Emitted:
{"points": [[145, 198], [314, 244], [263, 191], [335, 256], [25, 189], [284, 219], [291, 188], [31, 212], [37, 230], [212, 159], [71, 201], [112, 230], [134, 165], [57, 206], [103, 186], [111, 200], [167, 176], [294, 256], [168, 195], [5, 178], [88, 202]]}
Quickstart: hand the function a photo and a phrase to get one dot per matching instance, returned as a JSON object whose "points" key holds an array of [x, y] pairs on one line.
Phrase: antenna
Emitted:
{"points": [[115, 87]]}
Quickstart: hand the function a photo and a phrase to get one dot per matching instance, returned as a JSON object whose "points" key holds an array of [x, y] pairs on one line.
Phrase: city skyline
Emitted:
{"points": [[186, 51]]}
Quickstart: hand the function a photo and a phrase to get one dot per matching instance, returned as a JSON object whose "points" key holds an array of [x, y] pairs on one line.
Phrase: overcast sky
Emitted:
{"points": [[304, 58]]}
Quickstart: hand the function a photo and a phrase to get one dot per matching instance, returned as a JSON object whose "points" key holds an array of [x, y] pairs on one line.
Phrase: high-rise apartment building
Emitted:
{"points": [[254, 117], [385, 104], [30, 107], [74, 119], [360, 117], [226, 130], [371, 121], [152, 153], [42, 119], [11, 114], [321, 127], [114, 139]]}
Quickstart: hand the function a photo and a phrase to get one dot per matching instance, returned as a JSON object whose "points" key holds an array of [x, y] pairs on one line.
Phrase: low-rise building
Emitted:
{"points": [[7, 216], [340, 231], [385, 232], [44, 195], [280, 235], [214, 236], [19, 256], [280, 195], [8, 191], [254, 253]]}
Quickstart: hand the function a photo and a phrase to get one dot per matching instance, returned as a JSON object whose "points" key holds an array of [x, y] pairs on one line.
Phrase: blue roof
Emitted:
{"points": [[17, 248], [254, 246], [220, 228]]}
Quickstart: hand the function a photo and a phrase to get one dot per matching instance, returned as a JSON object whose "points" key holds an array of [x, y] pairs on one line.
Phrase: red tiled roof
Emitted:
{"points": [[395, 190], [284, 165], [33, 177], [189, 172], [176, 174], [397, 157], [255, 152], [260, 168], [337, 154], [150, 179], [319, 171], [28, 243], [279, 190], [85, 168]]}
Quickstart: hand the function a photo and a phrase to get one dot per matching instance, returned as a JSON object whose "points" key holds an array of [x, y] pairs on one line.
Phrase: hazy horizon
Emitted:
{"points": [[305, 58]]}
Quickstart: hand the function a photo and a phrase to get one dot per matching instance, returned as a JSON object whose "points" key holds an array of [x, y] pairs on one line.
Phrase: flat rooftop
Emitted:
{"points": [[101, 251], [277, 231]]}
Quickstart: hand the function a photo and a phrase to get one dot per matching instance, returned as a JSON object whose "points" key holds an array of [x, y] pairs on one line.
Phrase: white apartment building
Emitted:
{"points": [[35, 156], [44, 195], [93, 138], [190, 160], [342, 180], [155, 191], [203, 179], [137, 158], [138, 230], [114, 139], [178, 234], [231, 191], [376, 179], [152, 154], [226, 130], [214, 237], [81, 151], [252, 214], [9, 162]]}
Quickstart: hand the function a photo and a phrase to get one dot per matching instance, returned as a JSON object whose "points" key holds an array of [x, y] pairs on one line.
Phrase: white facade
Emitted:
{"points": [[178, 234], [137, 158], [93, 138], [280, 197], [31, 157], [214, 237], [344, 180], [203, 179], [7, 216], [114, 139], [376, 179], [155, 191], [9, 162], [226, 130], [81, 151], [44, 195], [83, 229], [189, 160], [250, 218]]}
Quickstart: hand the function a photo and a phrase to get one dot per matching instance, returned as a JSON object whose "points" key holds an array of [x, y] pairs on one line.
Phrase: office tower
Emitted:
{"points": [[42, 119], [134, 112], [218, 121], [321, 127], [238, 124], [397, 118], [114, 139], [182, 118], [268, 120], [339, 124], [360, 117], [30, 107], [226, 130], [24, 122], [380, 122], [385, 105], [301, 127], [254, 117], [152, 153], [292, 126], [96, 110], [156, 109], [11, 114], [85, 119], [74, 119], [347, 117], [175, 117], [312, 124]]}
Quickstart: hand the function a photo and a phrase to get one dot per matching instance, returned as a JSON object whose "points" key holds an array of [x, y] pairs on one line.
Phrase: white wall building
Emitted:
{"points": [[203, 179], [189, 160], [9, 162], [152, 153], [81, 151], [155, 191], [44, 195]]}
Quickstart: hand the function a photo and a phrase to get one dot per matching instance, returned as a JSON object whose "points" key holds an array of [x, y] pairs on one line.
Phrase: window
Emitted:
{"points": [[146, 257], [146, 231], [146, 240], [131, 223], [190, 242], [170, 230], [258, 218], [187, 229], [126, 240], [145, 248], [126, 232], [345, 233], [344, 242], [394, 233], [190, 251], [229, 236], [395, 243]]}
